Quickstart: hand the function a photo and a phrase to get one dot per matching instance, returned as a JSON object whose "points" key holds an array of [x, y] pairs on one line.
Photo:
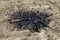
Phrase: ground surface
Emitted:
{"points": [[7, 32]]}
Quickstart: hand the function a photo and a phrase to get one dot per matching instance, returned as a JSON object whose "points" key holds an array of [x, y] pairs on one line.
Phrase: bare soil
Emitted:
{"points": [[8, 32]]}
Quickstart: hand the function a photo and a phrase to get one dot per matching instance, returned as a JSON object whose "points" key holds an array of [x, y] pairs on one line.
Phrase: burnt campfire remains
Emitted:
{"points": [[31, 20]]}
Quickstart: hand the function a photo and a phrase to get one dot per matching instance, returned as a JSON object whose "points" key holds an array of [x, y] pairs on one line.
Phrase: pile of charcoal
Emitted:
{"points": [[31, 20]]}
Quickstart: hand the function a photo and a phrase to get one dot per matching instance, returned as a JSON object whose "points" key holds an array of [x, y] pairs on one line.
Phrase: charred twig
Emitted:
{"points": [[30, 20]]}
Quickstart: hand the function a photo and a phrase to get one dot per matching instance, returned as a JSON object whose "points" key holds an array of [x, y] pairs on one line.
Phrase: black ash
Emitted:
{"points": [[32, 20]]}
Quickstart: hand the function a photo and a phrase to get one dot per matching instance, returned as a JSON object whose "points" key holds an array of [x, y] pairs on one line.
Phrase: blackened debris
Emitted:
{"points": [[30, 20]]}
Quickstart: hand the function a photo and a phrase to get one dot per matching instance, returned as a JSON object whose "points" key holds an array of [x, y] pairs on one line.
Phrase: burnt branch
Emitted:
{"points": [[30, 20]]}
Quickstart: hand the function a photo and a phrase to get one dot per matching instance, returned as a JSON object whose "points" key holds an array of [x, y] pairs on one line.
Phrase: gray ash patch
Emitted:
{"points": [[32, 20]]}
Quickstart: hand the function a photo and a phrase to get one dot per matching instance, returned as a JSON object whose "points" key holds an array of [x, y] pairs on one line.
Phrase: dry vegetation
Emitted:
{"points": [[8, 7]]}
